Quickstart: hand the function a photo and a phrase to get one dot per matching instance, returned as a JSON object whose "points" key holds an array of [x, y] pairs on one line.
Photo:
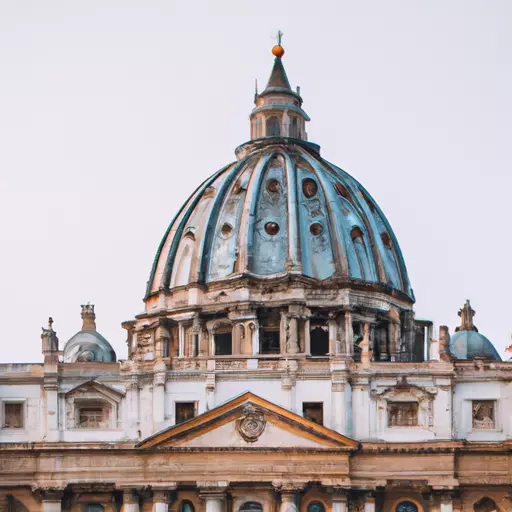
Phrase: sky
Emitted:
{"points": [[112, 112]]}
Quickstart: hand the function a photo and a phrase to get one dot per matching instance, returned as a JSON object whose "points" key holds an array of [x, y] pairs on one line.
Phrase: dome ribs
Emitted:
{"points": [[196, 195], [206, 243], [281, 211], [335, 217], [369, 215], [246, 233], [294, 263]]}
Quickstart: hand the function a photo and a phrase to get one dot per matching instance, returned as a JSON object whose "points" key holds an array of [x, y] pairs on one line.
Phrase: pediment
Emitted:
{"points": [[249, 421], [97, 388]]}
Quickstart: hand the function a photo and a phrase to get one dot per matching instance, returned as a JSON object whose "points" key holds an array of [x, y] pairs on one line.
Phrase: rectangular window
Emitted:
{"points": [[185, 411], [313, 411], [484, 414], [92, 417], [269, 341], [13, 415], [402, 414]]}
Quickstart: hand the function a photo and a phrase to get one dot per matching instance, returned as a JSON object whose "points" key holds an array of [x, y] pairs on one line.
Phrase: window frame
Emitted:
{"points": [[391, 403], [321, 404], [93, 403], [179, 402], [19, 401], [497, 423]]}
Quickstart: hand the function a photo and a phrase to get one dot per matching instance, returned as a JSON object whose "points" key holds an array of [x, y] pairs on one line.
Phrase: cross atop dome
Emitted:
{"points": [[278, 111]]}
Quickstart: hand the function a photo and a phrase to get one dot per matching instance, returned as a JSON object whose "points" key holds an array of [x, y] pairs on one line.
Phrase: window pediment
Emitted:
{"points": [[93, 405], [97, 389], [403, 391]]}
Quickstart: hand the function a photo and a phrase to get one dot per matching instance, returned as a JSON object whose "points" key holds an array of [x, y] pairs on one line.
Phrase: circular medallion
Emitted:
{"points": [[273, 186], [272, 228], [226, 230], [316, 229], [252, 424], [309, 187]]}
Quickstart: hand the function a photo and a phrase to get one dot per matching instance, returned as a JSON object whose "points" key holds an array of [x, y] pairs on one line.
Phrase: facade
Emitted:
{"points": [[278, 364]]}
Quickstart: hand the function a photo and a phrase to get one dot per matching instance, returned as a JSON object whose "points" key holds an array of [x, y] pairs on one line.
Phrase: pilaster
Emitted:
{"points": [[50, 498], [339, 500], [214, 495], [131, 501]]}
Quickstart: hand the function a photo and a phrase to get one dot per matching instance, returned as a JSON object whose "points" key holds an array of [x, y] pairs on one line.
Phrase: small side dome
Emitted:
{"points": [[471, 345], [467, 342], [88, 345]]}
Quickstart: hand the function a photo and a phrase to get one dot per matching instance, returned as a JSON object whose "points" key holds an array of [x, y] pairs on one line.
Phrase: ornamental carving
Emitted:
{"points": [[252, 424], [484, 414]]}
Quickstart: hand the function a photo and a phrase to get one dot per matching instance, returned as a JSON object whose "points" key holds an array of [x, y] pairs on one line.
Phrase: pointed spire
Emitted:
{"points": [[278, 76], [278, 111]]}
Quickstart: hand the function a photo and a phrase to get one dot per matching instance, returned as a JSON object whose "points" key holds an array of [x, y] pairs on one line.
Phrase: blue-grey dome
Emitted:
{"points": [[280, 209], [88, 346], [472, 344]]}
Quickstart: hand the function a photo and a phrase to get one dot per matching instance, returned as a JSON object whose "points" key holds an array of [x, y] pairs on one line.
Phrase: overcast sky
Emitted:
{"points": [[111, 113]]}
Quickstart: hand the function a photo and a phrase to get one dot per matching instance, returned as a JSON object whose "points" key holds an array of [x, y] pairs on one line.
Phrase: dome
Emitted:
{"points": [[472, 344], [88, 345], [467, 342], [280, 209]]}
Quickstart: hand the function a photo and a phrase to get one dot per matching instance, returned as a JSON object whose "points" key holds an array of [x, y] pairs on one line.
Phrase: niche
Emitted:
{"points": [[319, 335]]}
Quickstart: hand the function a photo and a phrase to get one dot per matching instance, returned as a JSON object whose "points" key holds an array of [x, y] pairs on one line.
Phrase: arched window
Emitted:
{"points": [[294, 128], [486, 505], [186, 506], [251, 506], [273, 127], [406, 506], [95, 508], [316, 506], [319, 335]]}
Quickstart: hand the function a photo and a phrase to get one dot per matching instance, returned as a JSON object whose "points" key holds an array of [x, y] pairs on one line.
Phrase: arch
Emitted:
{"points": [[414, 505], [95, 507], [316, 506], [251, 506], [239, 336], [294, 128], [184, 258], [186, 506], [486, 505], [273, 127]]}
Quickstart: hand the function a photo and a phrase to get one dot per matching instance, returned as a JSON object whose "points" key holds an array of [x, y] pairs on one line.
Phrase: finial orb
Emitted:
{"points": [[278, 51]]}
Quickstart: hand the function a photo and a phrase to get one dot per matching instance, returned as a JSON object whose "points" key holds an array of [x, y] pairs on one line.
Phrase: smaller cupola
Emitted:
{"points": [[467, 342], [88, 345], [278, 111]]}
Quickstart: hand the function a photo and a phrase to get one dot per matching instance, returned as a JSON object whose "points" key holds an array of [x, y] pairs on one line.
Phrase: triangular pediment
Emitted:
{"points": [[98, 388], [249, 421]]}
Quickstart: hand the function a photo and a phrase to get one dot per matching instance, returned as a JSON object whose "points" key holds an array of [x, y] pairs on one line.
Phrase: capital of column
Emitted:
{"points": [[211, 489], [288, 489], [338, 494], [130, 496], [48, 494]]}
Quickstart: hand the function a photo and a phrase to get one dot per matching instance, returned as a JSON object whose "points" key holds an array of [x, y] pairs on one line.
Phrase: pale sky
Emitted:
{"points": [[112, 112]]}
